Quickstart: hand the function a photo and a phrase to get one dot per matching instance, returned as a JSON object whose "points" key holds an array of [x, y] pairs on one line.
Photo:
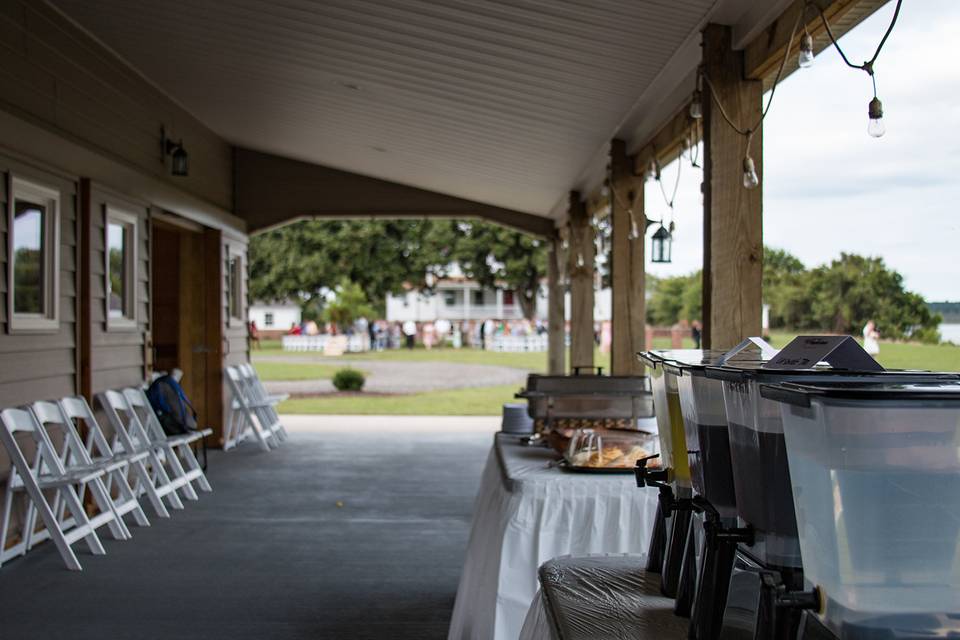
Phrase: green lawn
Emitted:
{"points": [[488, 400], [479, 401], [295, 371], [536, 362]]}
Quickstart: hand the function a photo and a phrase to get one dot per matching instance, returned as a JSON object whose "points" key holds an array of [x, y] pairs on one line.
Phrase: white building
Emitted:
{"points": [[457, 299], [274, 318]]}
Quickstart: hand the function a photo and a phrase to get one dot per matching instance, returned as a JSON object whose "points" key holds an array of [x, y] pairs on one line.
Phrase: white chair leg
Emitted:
{"points": [[83, 527], [146, 483]]}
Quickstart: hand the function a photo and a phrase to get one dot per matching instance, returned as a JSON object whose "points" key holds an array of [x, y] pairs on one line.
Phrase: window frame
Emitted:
{"points": [[131, 224], [234, 285], [33, 191], [268, 319]]}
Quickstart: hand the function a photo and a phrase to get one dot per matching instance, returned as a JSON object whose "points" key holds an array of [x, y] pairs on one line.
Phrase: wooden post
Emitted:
{"points": [[627, 271], [556, 312], [580, 268], [733, 215], [84, 378], [213, 338]]}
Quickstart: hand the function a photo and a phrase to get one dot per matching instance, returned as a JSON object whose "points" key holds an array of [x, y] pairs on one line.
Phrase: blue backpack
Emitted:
{"points": [[172, 407]]}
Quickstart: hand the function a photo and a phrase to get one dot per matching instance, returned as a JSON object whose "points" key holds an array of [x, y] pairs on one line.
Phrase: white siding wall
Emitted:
{"points": [[284, 316]]}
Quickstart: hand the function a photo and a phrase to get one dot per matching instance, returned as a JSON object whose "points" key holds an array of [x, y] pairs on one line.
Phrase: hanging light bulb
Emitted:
{"points": [[696, 101], [580, 260], [696, 105], [634, 229], [750, 178], [806, 50], [876, 127]]}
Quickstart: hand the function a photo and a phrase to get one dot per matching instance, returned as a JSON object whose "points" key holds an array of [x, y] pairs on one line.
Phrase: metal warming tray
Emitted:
{"points": [[587, 401]]}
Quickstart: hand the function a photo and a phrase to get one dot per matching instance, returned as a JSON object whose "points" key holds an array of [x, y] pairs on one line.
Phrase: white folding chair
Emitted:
{"points": [[245, 415], [177, 446], [258, 395], [34, 479], [96, 452], [70, 458], [130, 437]]}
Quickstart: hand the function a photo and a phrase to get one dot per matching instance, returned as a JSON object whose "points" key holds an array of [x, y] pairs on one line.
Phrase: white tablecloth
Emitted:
{"points": [[527, 512]]}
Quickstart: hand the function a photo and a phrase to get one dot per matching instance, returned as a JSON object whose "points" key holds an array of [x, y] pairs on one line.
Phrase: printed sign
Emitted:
{"points": [[840, 352]]}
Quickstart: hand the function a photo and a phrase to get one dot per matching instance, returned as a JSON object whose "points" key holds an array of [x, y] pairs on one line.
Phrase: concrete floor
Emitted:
{"points": [[270, 554]]}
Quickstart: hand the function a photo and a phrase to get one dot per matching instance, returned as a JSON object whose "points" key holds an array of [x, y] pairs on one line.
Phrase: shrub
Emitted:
{"points": [[348, 380]]}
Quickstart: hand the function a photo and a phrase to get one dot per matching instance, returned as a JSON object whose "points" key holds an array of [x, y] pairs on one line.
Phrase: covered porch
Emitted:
{"points": [[356, 529], [172, 132]]}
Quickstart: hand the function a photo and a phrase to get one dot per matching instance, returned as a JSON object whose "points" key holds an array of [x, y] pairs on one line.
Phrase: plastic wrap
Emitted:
{"points": [[604, 598], [528, 512], [603, 449]]}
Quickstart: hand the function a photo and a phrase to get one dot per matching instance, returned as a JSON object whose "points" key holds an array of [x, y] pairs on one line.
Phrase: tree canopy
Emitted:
{"points": [[839, 297], [305, 260]]}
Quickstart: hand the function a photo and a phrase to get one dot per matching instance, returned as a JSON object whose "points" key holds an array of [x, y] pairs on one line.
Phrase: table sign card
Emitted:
{"points": [[840, 352], [767, 352]]}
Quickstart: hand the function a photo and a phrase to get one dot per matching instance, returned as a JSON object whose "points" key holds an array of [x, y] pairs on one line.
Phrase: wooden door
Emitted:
{"points": [[188, 315]]}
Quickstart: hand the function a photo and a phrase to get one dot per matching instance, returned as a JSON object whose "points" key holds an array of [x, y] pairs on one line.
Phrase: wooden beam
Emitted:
{"points": [[581, 270], [213, 338], [272, 191], [628, 272], [556, 312], [764, 54], [84, 294], [667, 143], [733, 215]]}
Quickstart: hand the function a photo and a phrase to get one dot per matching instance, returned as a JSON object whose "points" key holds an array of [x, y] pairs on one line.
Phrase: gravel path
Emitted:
{"points": [[406, 377]]}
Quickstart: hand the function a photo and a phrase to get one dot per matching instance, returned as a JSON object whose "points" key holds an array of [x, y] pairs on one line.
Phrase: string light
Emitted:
{"points": [[805, 59], [750, 178], [696, 104], [875, 126]]}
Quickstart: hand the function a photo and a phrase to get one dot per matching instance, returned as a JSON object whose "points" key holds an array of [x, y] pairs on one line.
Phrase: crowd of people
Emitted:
{"points": [[439, 333]]}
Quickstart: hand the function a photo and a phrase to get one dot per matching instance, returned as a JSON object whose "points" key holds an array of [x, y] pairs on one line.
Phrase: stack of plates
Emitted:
{"points": [[515, 419]]}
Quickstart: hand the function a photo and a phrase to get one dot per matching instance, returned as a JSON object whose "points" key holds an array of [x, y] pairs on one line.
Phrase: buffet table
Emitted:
{"points": [[527, 512]]}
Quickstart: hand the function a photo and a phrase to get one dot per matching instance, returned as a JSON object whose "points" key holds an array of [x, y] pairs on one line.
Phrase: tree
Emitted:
{"points": [[348, 305], [305, 260], [674, 299], [848, 292], [785, 289], [497, 257]]}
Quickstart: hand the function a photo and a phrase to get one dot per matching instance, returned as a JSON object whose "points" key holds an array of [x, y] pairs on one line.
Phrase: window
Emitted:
{"points": [[235, 287], [33, 247], [508, 297], [268, 319], [450, 298], [121, 269], [478, 296]]}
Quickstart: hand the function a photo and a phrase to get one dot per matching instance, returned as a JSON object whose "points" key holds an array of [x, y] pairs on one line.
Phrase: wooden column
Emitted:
{"points": [[628, 273], [213, 338], [580, 268], [84, 361], [556, 312], [733, 215]]}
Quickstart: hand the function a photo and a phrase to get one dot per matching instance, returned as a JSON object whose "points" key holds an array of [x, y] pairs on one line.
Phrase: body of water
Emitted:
{"points": [[950, 333]]}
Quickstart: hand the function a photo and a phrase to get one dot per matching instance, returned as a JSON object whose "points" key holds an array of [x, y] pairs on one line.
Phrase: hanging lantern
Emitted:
{"points": [[661, 244]]}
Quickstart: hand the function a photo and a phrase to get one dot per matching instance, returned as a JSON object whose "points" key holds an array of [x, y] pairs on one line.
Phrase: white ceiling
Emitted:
{"points": [[507, 102]]}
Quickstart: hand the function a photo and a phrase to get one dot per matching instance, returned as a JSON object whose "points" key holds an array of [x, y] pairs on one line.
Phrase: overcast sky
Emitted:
{"points": [[830, 187]]}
